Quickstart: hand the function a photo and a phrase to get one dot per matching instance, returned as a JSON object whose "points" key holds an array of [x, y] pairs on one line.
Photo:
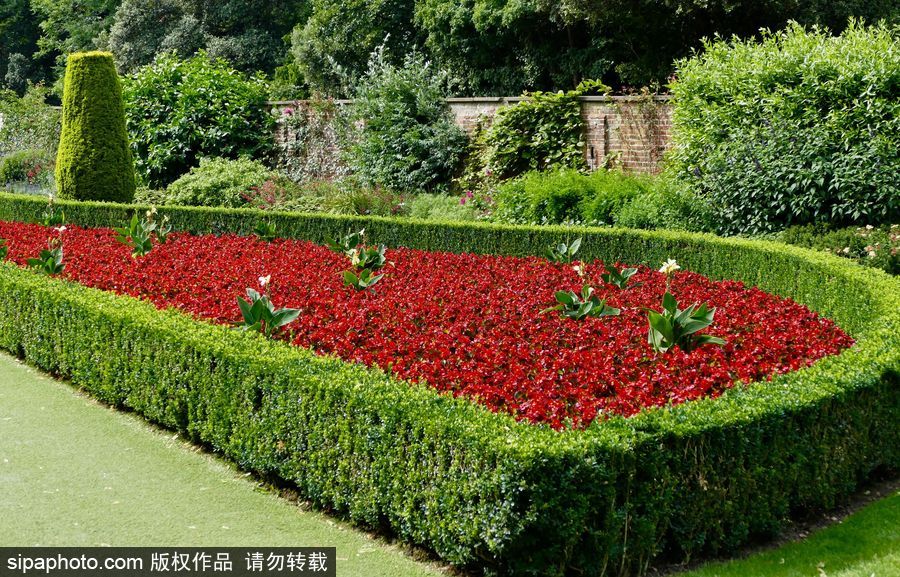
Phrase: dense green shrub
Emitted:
{"points": [[800, 128], [29, 166], [877, 247], [223, 182], [478, 488], [408, 141], [179, 111], [542, 131], [439, 207], [151, 196], [29, 123], [668, 205], [94, 161], [567, 196]]}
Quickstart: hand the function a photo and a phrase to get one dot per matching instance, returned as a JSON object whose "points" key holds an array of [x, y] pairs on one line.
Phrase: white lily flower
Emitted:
{"points": [[669, 267], [264, 281]]}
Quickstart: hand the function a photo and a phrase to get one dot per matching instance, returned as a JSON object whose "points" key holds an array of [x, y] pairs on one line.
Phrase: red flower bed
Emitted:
{"points": [[465, 323]]}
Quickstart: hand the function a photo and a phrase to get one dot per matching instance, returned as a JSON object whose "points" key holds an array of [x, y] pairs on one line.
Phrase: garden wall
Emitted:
{"points": [[629, 132]]}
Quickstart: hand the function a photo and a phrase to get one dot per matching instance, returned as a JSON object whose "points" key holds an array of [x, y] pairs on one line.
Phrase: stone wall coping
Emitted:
{"points": [[503, 99]]}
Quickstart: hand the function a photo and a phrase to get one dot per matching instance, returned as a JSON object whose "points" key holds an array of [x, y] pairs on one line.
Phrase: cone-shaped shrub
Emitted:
{"points": [[94, 161]]}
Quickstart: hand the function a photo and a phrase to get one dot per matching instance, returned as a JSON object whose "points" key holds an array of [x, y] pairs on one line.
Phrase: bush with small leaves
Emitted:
{"points": [[94, 160]]}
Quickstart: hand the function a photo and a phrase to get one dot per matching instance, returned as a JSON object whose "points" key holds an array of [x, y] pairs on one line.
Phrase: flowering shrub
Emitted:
{"points": [[50, 261], [34, 167], [53, 215], [467, 324], [877, 247], [260, 314]]}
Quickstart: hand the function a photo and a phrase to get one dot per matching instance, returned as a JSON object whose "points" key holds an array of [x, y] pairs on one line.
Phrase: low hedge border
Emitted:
{"points": [[478, 488]]}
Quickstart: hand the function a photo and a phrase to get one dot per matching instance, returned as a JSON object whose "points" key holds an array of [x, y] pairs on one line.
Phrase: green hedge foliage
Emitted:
{"points": [[800, 128], [94, 161], [406, 139], [179, 111], [478, 488], [603, 197], [223, 182]]}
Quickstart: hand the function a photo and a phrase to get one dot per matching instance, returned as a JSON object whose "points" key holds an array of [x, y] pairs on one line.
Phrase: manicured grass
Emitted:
{"points": [[865, 544], [75, 473]]}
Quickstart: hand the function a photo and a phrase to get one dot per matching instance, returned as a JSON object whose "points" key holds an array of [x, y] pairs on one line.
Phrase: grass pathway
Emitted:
{"points": [[75, 473]]}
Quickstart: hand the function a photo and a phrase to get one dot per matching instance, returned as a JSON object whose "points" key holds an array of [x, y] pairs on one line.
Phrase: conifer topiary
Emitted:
{"points": [[94, 161]]}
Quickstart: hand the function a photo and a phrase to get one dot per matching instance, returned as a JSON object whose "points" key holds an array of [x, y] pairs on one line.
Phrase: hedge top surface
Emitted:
{"points": [[822, 282]]}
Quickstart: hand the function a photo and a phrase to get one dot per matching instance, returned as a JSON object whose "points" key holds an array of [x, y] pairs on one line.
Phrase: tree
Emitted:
{"points": [[94, 161], [71, 26], [248, 34], [143, 28], [19, 33], [332, 48], [505, 46]]}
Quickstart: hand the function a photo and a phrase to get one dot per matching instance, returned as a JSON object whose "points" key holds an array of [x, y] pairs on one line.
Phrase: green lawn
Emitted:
{"points": [[75, 473], [865, 544]]}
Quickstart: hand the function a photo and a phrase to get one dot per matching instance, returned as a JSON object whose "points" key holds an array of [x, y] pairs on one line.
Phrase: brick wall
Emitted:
{"points": [[628, 132]]}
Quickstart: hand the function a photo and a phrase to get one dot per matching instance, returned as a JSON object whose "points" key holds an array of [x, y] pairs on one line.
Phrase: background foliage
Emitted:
{"points": [[29, 123], [245, 33], [488, 47], [179, 111], [407, 139], [332, 48], [801, 128]]}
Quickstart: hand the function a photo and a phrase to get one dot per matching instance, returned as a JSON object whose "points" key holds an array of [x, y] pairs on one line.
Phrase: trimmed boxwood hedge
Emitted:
{"points": [[478, 488]]}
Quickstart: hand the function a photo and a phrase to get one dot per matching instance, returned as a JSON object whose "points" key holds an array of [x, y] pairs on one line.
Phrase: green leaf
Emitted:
{"points": [[566, 297], [669, 303]]}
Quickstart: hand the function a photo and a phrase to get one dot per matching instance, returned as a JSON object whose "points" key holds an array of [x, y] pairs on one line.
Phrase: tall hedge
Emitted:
{"points": [[802, 127], [94, 161]]}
